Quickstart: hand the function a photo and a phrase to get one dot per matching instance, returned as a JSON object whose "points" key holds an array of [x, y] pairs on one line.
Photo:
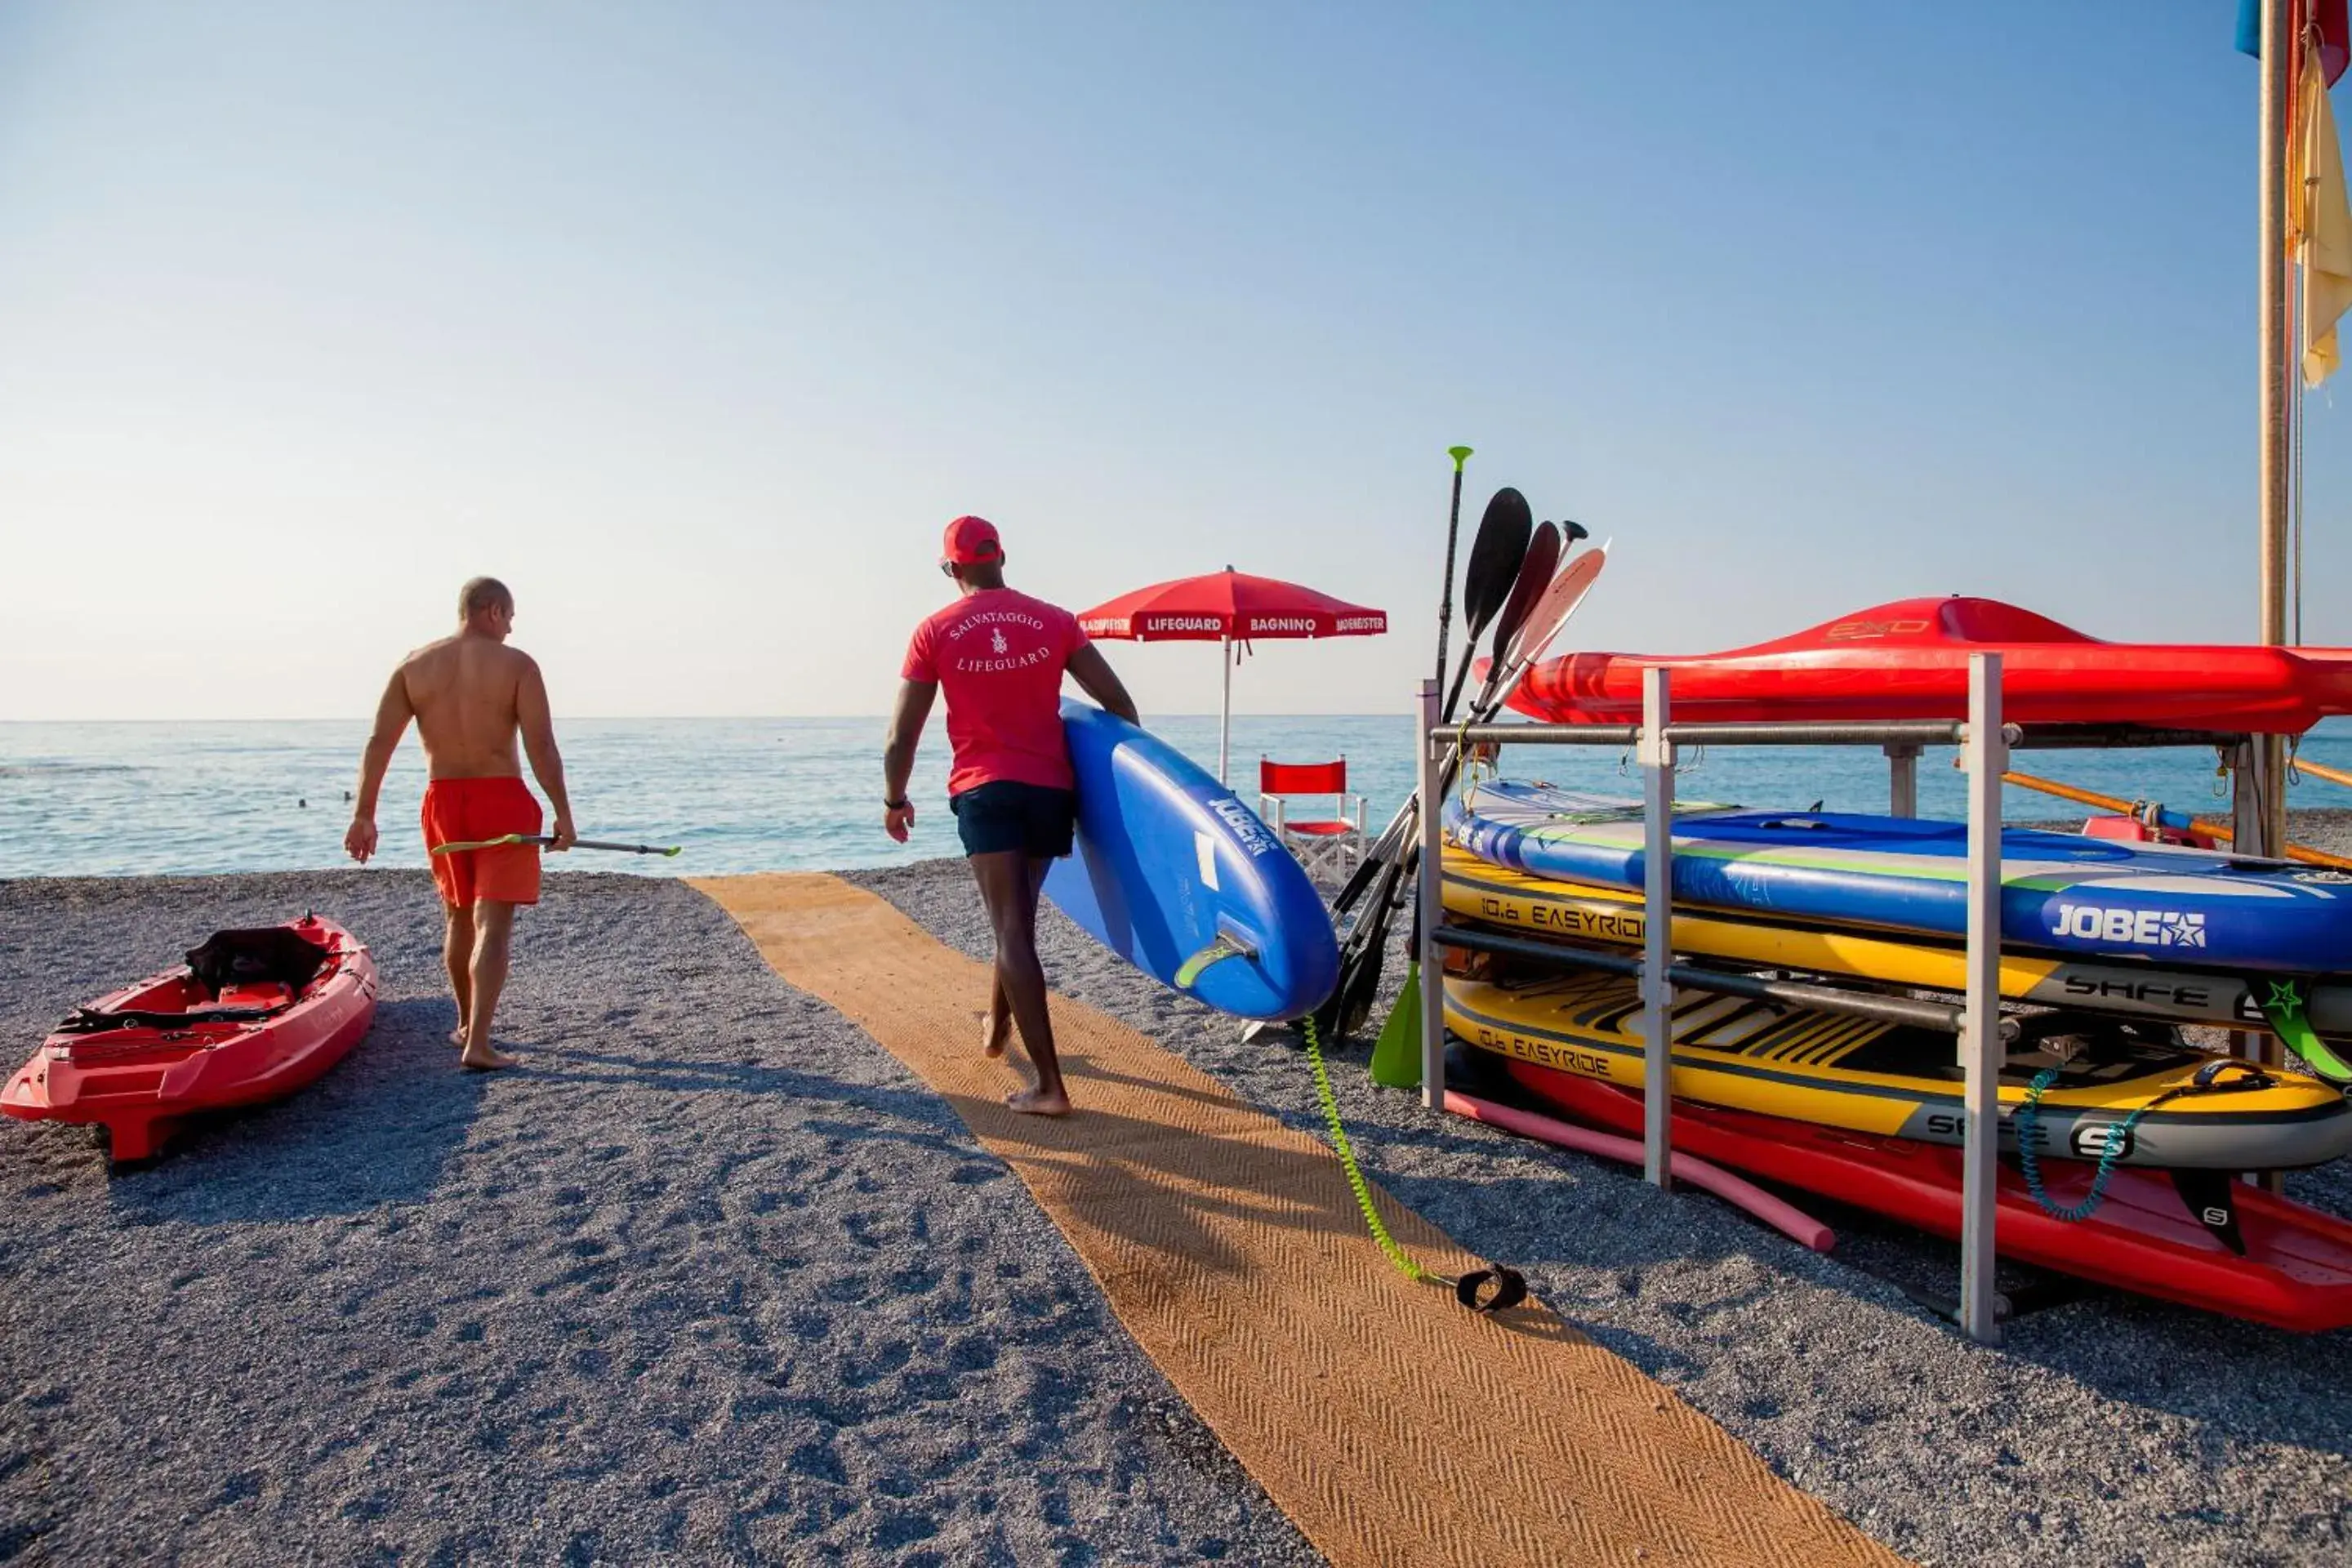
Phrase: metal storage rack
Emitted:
{"points": [[1985, 743]]}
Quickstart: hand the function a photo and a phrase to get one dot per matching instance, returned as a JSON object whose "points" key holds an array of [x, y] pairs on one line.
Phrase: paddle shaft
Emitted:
{"points": [[1453, 534], [2176, 820], [541, 840]]}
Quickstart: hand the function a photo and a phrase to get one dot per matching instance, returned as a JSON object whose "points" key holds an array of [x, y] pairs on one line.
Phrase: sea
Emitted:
{"points": [[761, 794]]}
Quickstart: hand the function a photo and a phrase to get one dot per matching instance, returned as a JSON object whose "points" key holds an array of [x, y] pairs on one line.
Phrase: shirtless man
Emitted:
{"points": [[470, 694], [999, 656]]}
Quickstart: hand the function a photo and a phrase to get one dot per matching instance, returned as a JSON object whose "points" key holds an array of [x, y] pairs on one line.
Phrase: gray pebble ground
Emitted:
{"points": [[716, 1279]]}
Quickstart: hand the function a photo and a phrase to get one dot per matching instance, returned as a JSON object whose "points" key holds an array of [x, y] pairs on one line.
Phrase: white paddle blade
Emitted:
{"points": [[1551, 611]]}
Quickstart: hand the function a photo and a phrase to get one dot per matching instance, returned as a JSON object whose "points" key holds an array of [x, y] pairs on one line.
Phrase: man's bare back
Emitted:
{"points": [[469, 696], [473, 698]]}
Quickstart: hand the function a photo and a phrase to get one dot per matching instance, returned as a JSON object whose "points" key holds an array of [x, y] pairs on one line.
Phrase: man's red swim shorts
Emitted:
{"points": [[466, 811]]}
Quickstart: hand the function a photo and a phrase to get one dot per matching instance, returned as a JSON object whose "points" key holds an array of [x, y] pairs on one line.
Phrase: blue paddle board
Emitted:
{"points": [[1175, 875], [2060, 892]]}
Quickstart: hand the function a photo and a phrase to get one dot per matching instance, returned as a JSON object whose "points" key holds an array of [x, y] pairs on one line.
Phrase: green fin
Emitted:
{"points": [[1396, 1054], [2283, 1008], [1217, 952]]}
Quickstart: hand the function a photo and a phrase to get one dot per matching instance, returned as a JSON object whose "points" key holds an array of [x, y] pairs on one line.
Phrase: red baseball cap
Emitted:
{"points": [[969, 540]]}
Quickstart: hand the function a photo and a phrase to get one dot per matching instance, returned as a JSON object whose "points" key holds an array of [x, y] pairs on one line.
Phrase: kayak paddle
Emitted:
{"points": [[1495, 555], [1534, 578], [544, 839], [1504, 534], [1365, 952], [1545, 622], [1536, 571]]}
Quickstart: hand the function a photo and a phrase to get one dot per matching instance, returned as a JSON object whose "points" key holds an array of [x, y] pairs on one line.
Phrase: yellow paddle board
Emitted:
{"points": [[1900, 1080]]}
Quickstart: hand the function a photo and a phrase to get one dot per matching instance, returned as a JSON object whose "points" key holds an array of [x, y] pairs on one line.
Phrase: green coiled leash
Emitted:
{"points": [[1509, 1286], [2118, 1141]]}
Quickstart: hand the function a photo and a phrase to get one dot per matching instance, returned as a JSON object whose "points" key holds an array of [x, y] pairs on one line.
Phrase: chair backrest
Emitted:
{"points": [[1302, 778]]}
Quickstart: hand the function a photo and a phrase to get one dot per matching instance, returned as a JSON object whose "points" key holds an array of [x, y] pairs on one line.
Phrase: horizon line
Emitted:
{"points": [[641, 718]]}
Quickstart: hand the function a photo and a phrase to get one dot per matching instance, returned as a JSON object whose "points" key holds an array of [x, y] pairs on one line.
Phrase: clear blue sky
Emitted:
{"points": [[697, 322]]}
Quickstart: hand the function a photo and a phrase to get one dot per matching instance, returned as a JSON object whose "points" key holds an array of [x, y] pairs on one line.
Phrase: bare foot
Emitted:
{"points": [[1037, 1102], [457, 1037], [486, 1058], [994, 1032]]}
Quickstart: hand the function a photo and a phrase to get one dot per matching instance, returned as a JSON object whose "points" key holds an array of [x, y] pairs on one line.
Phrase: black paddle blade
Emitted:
{"points": [[1535, 575], [1495, 557], [1574, 531], [1364, 956], [1504, 534]]}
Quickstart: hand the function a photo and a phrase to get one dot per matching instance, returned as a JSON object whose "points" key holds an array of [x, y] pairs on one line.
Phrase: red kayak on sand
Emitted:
{"points": [[1909, 659], [2290, 1267], [253, 1016]]}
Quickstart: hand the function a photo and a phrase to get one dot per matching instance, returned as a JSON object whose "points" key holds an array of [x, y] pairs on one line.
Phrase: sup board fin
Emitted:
{"points": [[2283, 1009], [1226, 946], [2209, 1195]]}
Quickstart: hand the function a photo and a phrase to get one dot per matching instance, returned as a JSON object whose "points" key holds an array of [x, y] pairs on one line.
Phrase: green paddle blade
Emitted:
{"points": [[1396, 1054], [2283, 1009]]}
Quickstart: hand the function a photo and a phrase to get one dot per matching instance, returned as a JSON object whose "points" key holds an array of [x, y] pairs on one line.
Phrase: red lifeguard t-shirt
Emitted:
{"points": [[998, 656]]}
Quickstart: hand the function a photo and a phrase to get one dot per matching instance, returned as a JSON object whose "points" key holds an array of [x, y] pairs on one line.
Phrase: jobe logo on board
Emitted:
{"points": [[1246, 827], [2138, 928]]}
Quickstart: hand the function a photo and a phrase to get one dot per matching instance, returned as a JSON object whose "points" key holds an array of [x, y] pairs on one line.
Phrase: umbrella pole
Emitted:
{"points": [[1225, 713]]}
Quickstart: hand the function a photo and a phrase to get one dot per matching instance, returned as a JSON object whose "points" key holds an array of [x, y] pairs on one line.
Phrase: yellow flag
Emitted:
{"points": [[2320, 220]]}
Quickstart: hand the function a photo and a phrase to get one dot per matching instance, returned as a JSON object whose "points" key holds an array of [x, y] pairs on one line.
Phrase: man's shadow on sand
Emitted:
{"points": [[382, 1125], [376, 1129]]}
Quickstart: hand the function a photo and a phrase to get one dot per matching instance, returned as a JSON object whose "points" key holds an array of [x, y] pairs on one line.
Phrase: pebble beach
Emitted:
{"points": [[716, 1279]]}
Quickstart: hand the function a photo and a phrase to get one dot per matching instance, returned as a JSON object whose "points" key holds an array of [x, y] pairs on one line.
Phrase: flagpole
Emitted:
{"points": [[2279, 54], [2260, 791]]}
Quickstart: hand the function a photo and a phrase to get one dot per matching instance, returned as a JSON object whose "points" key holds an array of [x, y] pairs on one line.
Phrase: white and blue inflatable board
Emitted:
{"points": [[1175, 875], [2060, 892]]}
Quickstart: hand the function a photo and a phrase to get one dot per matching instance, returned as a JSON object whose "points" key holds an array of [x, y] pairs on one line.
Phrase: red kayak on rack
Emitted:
{"points": [[1909, 659], [2251, 1255], [253, 1016]]}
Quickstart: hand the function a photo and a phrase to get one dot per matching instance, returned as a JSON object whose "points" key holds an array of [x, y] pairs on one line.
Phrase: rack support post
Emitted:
{"points": [[1431, 907], [1657, 758], [1985, 756]]}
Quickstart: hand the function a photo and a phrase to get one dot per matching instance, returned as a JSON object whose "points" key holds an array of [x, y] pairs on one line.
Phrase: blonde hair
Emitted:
{"points": [[481, 594]]}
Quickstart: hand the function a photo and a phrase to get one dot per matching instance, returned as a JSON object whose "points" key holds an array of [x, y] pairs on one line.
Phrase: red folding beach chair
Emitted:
{"points": [[1326, 846]]}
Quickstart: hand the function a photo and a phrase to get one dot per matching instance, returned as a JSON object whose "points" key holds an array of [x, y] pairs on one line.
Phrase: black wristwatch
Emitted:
{"points": [[899, 804]]}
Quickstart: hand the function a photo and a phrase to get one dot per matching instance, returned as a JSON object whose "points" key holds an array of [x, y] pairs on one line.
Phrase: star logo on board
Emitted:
{"points": [[2184, 931]]}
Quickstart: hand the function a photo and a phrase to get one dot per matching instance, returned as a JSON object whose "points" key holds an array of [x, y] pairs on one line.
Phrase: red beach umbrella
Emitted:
{"points": [[1229, 608]]}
